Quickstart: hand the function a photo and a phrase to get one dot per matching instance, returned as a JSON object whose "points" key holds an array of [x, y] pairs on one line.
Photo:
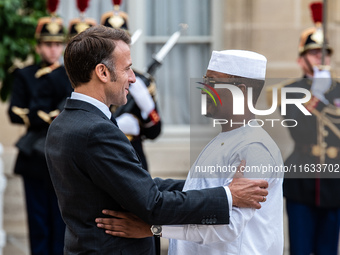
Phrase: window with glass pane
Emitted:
{"points": [[189, 57]]}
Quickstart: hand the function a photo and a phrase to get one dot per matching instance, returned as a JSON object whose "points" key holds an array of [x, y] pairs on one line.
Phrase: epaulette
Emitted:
{"points": [[22, 113], [46, 70], [48, 117], [18, 63], [278, 86]]}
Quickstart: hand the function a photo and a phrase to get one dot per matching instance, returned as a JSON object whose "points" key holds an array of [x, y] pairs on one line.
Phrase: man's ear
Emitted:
{"points": [[102, 72]]}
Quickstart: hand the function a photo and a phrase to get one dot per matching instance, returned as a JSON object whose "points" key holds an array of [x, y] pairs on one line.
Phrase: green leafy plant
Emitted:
{"points": [[18, 19]]}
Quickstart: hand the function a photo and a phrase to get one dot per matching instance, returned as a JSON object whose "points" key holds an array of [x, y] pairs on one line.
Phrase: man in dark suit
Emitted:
{"points": [[93, 165]]}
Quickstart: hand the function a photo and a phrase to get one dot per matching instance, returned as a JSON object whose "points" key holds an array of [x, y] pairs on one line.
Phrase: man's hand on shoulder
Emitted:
{"points": [[247, 192]]}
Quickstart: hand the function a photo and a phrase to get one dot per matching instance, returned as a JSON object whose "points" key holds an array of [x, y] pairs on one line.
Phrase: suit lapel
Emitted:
{"points": [[73, 104]]}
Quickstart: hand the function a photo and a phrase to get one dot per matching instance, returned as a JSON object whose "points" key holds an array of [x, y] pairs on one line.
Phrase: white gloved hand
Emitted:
{"points": [[142, 97], [322, 81], [128, 124]]}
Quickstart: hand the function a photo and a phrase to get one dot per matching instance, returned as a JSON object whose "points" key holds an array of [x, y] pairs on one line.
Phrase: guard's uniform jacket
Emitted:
{"points": [[37, 97], [150, 128], [317, 141]]}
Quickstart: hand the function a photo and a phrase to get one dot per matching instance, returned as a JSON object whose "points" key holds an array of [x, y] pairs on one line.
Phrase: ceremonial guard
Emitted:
{"points": [[312, 190], [37, 97], [78, 25], [139, 118]]}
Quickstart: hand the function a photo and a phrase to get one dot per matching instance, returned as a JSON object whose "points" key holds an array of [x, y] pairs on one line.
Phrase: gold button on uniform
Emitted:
{"points": [[316, 151], [332, 152]]}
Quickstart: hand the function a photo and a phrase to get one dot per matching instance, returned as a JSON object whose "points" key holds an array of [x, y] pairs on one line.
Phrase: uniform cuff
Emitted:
{"points": [[152, 119]]}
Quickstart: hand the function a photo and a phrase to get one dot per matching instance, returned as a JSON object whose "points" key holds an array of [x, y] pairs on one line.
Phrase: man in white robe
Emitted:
{"points": [[250, 231]]}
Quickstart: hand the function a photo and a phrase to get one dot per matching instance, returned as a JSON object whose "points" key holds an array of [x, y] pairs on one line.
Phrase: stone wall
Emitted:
{"points": [[273, 27]]}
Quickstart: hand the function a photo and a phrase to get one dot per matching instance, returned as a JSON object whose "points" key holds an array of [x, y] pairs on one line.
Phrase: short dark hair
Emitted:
{"points": [[89, 48]]}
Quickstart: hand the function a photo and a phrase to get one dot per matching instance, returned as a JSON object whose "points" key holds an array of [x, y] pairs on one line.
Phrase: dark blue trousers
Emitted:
{"points": [[313, 230], [46, 227]]}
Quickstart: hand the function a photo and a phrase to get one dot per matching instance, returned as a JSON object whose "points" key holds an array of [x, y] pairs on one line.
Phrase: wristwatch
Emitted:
{"points": [[156, 230]]}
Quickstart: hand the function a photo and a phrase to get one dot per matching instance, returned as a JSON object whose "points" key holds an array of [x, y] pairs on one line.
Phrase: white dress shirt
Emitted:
{"points": [[250, 231], [100, 105]]}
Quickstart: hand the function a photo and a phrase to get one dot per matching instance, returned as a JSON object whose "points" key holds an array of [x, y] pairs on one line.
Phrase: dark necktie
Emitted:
{"points": [[114, 121]]}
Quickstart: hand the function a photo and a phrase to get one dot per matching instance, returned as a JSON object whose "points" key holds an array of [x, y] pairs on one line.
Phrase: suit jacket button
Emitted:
{"points": [[203, 221]]}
